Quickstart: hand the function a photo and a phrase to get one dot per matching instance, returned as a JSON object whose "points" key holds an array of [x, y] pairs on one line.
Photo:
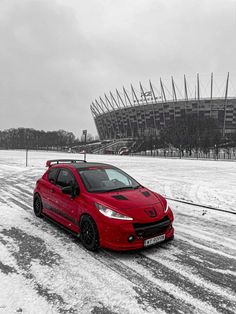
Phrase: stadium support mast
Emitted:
{"points": [[99, 106], [198, 93], [105, 126], [109, 102], [211, 92], [173, 89], [143, 93], [135, 98], [211, 85], [95, 110], [144, 111], [162, 91], [95, 115], [185, 89], [114, 113], [198, 87], [114, 100], [127, 97], [118, 105], [120, 98], [134, 94], [185, 94], [227, 86], [105, 105], [163, 95], [154, 101], [173, 93], [226, 102], [109, 112]]}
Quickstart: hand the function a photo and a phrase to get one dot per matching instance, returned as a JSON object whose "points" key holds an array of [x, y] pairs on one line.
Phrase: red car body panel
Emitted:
{"points": [[144, 206]]}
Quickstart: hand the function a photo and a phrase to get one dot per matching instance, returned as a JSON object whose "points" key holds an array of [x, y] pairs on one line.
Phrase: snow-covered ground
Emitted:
{"points": [[45, 270]]}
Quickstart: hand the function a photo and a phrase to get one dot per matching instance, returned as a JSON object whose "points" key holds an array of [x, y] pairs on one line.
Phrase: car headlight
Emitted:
{"points": [[111, 213], [166, 206]]}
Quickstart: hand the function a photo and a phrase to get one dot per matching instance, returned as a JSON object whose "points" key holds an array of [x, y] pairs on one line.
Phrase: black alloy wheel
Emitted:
{"points": [[38, 207], [89, 233]]}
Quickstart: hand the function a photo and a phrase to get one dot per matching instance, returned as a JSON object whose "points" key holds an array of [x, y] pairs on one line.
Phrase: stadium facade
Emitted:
{"points": [[133, 114]]}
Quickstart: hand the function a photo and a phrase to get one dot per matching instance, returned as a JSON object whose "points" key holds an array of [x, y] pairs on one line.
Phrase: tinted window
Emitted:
{"points": [[118, 177], [106, 179], [65, 178], [52, 175]]}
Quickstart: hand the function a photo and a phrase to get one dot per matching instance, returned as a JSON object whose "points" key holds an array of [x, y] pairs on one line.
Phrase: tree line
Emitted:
{"points": [[22, 138], [190, 133]]}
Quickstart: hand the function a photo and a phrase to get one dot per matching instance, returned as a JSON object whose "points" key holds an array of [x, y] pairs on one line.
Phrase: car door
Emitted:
{"points": [[64, 206], [47, 188]]}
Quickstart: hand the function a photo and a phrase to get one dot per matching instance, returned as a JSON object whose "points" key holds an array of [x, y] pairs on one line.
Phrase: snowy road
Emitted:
{"points": [[43, 269]]}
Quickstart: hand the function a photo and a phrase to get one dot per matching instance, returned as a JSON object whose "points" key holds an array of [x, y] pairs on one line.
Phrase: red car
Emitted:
{"points": [[103, 205]]}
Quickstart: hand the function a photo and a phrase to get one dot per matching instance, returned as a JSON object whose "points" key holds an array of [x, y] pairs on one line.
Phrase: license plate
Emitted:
{"points": [[154, 240]]}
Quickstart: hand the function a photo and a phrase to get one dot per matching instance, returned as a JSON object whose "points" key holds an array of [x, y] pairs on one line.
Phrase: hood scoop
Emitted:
{"points": [[146, 193], [120, 197]]}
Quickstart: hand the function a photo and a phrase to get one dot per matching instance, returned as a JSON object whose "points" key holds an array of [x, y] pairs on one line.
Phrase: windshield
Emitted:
{"points": [[98, 179]]}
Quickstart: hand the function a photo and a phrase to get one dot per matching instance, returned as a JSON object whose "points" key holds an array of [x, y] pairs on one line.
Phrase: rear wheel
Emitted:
{"points": [[89, 233], [38, 207]]}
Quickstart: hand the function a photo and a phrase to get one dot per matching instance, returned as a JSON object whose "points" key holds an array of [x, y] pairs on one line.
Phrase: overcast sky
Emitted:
{"points": [[57, 56]]}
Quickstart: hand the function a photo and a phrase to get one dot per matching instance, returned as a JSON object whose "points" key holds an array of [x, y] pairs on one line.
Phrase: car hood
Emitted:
{"points": [[139, 203]]}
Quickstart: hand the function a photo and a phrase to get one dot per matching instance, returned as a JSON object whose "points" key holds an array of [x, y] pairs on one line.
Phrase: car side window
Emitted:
{"points": [[65, 178], [52, 175]]}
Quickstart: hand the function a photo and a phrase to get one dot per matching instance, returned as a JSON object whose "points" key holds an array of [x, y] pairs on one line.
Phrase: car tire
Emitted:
{"points": [[89, 233], [170, 239], [38, 206]]}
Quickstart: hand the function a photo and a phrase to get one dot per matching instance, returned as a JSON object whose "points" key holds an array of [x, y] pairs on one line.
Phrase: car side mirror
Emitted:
{"points": [[67, 190], [76, 191], [71, 190]]}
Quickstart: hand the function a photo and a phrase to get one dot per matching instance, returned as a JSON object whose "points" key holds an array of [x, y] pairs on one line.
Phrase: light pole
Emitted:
{"points": [[85, 140], [26, 150]]}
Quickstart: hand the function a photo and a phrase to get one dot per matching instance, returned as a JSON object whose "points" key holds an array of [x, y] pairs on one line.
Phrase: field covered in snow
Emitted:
{"points": [[43, 269]]}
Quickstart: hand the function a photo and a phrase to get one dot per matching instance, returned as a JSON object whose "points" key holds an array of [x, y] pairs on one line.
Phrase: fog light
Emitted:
{"points": [[131, 238]]}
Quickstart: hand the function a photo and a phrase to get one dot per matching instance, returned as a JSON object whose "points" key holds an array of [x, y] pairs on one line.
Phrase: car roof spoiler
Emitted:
{"points": [[50, 163]]}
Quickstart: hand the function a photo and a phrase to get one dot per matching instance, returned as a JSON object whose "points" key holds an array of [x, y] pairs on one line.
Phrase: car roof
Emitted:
{"points": [[83, 165], [90, 164]]}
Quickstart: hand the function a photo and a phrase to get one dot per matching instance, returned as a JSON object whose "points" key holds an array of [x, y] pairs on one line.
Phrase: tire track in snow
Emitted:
{"points": [[151, 289], [162, 292], [223, 245], [148, 291], [31, 248], [144, 288], [198, 288]]}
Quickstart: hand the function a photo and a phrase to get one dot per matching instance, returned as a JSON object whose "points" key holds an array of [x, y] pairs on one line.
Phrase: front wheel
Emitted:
{"points": [[89, 233], [38, 207]]}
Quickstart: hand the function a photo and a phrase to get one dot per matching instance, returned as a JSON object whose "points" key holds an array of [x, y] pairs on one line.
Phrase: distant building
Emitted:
{"points": [[135, 114]]}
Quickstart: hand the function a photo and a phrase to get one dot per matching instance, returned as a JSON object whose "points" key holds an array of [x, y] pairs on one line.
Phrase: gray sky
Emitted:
{"points": [[57, 56]]}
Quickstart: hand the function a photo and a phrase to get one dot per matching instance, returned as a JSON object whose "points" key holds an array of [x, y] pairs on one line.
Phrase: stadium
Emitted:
{"points": [[144, 111]]}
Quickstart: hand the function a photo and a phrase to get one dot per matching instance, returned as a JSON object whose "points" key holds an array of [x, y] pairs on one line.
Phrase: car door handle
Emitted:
{"points": [[52, 190]]}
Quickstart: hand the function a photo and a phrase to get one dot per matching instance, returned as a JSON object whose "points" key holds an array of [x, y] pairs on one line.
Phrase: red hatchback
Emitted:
{"points": [[103, 205]]}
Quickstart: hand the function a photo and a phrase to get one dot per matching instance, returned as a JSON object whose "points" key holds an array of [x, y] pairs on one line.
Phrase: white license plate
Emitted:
{"points": [[154, 240]]}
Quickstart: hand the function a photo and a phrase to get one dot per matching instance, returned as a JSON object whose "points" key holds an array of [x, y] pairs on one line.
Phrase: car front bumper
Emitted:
{"points": [[116, 236]]}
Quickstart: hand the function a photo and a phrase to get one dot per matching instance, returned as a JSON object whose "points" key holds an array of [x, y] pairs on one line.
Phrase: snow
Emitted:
{"points": [[45, 270]]}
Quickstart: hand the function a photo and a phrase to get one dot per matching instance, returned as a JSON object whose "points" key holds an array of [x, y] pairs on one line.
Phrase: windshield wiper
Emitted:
{"points": [[138, 186], [122, 188]]}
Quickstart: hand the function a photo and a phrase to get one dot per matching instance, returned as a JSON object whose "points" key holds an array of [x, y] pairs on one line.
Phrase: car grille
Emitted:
{"points": [[152, 228]]}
